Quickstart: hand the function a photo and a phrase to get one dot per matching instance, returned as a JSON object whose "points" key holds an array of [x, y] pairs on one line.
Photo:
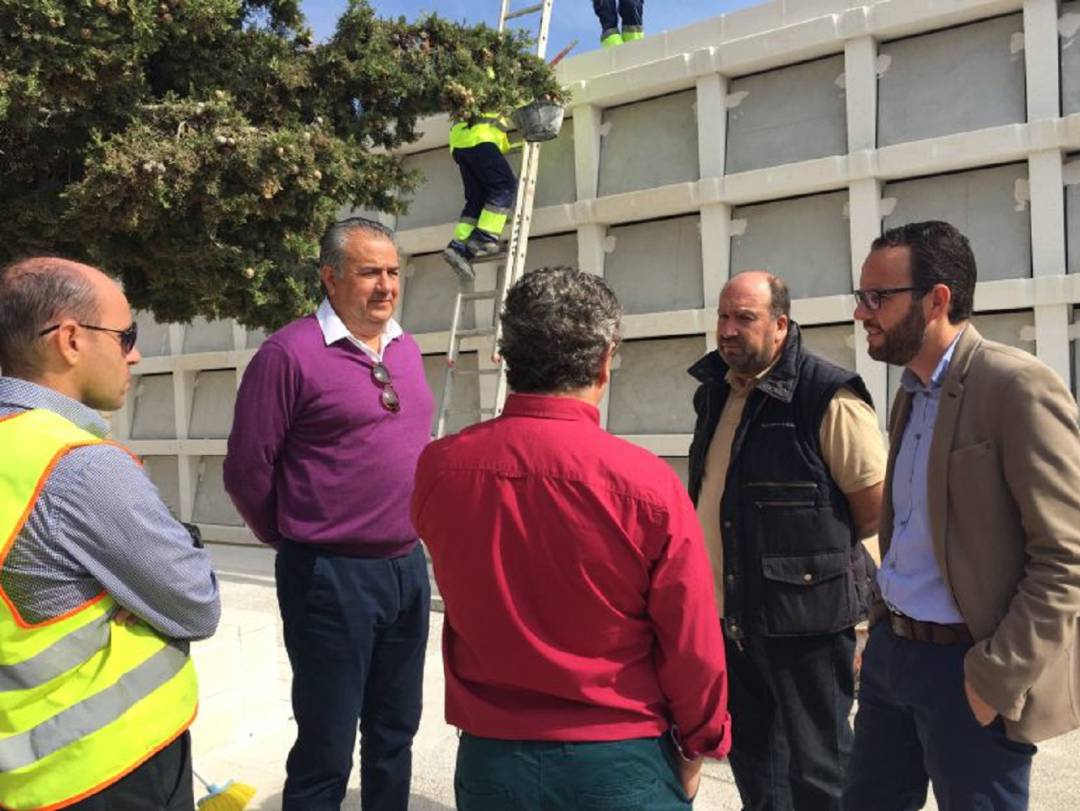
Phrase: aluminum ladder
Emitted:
{"points": [[510, 265]]}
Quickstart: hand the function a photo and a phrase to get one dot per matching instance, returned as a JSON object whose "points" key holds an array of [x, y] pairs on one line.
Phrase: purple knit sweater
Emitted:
{"points": [[314, 457]]}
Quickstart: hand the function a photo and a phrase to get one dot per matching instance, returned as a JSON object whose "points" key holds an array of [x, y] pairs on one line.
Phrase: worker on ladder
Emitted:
{"points": [[479, 147], [631, 12]]}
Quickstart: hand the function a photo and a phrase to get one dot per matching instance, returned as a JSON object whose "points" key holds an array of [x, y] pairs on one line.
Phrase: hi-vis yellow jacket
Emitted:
{"points": [[83, 700], [486, 129]]}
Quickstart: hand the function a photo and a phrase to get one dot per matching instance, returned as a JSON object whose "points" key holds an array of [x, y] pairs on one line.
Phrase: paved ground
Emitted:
{"points": [[258, 758]]}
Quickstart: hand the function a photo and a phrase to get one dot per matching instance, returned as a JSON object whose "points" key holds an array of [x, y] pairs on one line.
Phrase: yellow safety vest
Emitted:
{"points": [[488, 129], [83, 700]]}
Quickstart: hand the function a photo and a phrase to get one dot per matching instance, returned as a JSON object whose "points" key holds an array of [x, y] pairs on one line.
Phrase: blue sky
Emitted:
{"points": [[572, 19]]}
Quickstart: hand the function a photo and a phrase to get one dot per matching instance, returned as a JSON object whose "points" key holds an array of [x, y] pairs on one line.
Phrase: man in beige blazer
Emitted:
{"points": [[975, 656]]}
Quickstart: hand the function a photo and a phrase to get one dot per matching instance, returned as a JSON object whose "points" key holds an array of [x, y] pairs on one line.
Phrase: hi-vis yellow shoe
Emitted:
{"points": [[611, 40], [632, 33]]}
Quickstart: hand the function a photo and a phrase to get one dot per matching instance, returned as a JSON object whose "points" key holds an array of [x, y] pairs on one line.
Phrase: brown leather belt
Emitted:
{"points": [[932, 632]]}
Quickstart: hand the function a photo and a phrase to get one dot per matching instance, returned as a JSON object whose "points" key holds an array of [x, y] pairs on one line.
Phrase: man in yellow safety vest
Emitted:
{"points": [[100, 587], [479, 147]]}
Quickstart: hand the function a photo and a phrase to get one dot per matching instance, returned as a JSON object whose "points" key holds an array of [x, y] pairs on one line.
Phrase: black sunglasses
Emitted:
{"points": [[873, 299], [387, 396], [128, 336]]}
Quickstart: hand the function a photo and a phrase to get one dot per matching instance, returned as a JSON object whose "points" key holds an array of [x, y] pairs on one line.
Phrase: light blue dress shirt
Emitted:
{"points": [[910, 579]]}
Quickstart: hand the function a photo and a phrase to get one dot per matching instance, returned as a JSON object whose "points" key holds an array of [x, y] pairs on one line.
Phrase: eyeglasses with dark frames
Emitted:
{"points": [[128, 336], [872, 299], [388, 397]]}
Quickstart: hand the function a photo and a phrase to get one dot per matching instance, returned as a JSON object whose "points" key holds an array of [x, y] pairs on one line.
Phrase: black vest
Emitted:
{"points": [[792, 561]]}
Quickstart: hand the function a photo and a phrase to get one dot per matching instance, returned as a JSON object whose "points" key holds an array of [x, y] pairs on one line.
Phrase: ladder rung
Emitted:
{"points": [[479, 295], [521, 12], [479, 332], [474, 372]]}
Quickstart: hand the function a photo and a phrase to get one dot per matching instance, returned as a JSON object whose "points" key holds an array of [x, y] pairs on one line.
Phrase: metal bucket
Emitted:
{"points": [[539, 121]]}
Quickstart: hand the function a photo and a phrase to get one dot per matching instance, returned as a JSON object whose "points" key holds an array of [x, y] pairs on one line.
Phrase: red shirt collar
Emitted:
{"points": [[550, 406]]}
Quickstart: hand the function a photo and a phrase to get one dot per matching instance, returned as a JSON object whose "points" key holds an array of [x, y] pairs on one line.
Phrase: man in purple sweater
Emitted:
{"points": [[331, 416]]}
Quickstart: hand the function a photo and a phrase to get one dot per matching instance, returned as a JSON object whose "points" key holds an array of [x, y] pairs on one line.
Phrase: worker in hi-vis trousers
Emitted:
{"points": [[631, 13], [479, 147]]}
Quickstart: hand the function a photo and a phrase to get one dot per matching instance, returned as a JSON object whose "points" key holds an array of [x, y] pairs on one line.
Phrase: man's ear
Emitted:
{"points": [[326, 273], [65, 343], [940, 301], [606, 362]]}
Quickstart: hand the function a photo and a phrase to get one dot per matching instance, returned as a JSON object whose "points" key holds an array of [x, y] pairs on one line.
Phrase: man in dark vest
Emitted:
{"points": [[786, 468]]}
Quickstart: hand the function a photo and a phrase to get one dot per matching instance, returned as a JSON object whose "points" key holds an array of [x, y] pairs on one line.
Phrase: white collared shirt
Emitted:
{"points": [[334, 329]]}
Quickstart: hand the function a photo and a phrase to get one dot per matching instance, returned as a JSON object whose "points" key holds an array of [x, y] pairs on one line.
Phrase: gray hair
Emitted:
{"points": [[34, 294], [557, 323], [332, 245]]}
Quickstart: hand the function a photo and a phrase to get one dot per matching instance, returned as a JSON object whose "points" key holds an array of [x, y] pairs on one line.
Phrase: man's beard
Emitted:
{"points": [[903, 342], [747, 362]]}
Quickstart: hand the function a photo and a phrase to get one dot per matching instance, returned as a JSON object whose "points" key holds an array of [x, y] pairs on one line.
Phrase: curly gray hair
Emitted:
{"points": [[557, 324]]}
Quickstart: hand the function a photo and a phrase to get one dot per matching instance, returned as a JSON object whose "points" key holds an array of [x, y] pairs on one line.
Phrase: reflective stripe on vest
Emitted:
{"points": [[83, 701]]}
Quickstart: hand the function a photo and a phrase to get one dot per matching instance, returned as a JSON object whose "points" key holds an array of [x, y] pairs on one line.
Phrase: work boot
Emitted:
{"points": [[611, 40], [458, 256], [480, 248]]}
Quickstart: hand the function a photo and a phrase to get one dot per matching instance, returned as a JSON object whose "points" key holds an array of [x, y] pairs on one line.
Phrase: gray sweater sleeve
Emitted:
{"points": [[106, 514]]}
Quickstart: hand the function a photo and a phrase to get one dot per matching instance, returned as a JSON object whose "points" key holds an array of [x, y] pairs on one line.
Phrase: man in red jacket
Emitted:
{"points": [[584, 661]]}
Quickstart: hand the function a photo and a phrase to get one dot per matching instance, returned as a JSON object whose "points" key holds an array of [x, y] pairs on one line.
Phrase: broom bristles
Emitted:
{"points": [[230, 797]]}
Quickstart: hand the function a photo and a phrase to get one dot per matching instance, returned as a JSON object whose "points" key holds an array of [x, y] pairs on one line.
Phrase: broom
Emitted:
{"points": [[230, 796]]}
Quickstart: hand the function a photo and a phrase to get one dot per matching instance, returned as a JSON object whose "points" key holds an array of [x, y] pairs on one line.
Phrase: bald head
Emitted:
{"points": [[764, 287], [752, 321]]}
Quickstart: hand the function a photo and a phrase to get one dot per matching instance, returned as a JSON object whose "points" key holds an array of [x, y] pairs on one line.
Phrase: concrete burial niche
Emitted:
{"points": [[957, 80], [1069, 31], [1013, 328], [212, 503], [465, 403], [656, 266], [834, 342], [214, 397], [254, 338], [153, 337], [555, 184], [165, 474], [651, 393], [208, 336], [989, 206], [649, 143], [558, 249], [428, 300], [1072, 210], [438, 198], [153, 407], [786, 115], [806, 241]]}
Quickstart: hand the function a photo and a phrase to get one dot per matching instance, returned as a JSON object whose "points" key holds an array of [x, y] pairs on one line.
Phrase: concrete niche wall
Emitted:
{"points": [[806, 241], [153, 337], [1069, 29], [213, 401], [989, 206], [957, 80], [466, 399], [786, 115], [428, 302], [656, 266], [165, 475], [555, 180], [833, 342], [153, 407], [1072, 208], [649, 143], [681, 466], [651, 393], [208, 336], [558, 249], [438, 198], [212, 503]]}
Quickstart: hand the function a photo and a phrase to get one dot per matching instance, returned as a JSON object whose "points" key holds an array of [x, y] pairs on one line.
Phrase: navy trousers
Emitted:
{"points": [[488, 181], [498, 775], [790, 698], [631, 12], [162, 783], [356, 632], [914, 726]]}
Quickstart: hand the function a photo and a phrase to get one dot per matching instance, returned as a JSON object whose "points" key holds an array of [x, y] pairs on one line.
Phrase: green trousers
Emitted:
{"points": [[542, 775]]}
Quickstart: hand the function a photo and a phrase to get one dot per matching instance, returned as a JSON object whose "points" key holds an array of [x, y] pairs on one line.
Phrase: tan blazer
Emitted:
{"points": [[1004, 501]]}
